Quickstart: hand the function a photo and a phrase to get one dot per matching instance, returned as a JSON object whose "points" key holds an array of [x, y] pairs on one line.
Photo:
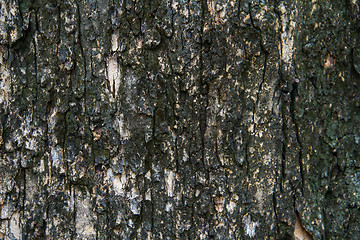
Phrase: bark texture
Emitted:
{"points": [[179, 119]]}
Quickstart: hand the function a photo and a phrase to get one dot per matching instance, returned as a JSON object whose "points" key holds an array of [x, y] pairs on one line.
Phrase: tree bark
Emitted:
{"points": [[172, 119]]}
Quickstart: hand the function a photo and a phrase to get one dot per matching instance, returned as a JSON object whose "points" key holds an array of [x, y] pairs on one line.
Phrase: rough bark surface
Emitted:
{"points": [[179, 119]]}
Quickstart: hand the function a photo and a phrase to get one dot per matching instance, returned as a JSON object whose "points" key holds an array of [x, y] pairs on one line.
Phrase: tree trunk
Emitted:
{"points": [[172, 119]]}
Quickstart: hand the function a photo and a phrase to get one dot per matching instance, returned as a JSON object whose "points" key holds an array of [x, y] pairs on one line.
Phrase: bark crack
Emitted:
{"points": [[276, 214], [293, 94], [74, 215], [81, 49], [259, 90], [203, 95], [252, 19], [23, 170]]}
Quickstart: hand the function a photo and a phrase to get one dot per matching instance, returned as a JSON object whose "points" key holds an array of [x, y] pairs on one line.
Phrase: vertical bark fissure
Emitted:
{"points": [[203, 95], [283, 166], [64, 141], [238, 8], [259, 90], [59, 23], [73, 233], [203, 92], [79, 40], [293, 94], [108, 216], [283, 130], [263, 76], [34, 85], [251, 18], [64, 151], [275, 212], [22, 220], [247, 162], [325, 218]]}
